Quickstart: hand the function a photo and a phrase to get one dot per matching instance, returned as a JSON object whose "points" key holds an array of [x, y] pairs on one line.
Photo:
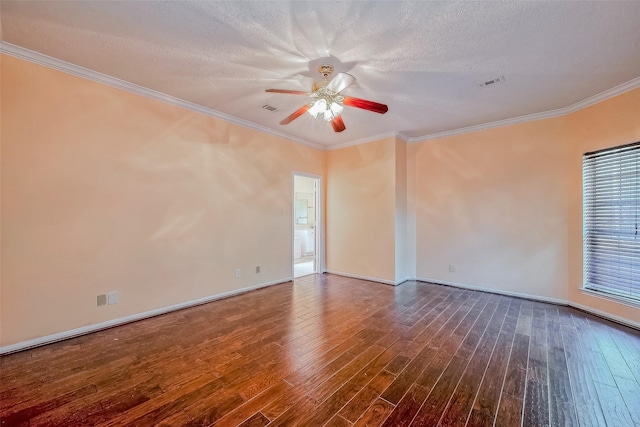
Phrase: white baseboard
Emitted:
{"points": [[495, 291], [603, 314], [36, 342], [357, 276]]}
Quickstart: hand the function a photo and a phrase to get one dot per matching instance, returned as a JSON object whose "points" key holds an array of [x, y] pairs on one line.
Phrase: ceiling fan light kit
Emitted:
{"points": [[328, 102], [327, 109]]}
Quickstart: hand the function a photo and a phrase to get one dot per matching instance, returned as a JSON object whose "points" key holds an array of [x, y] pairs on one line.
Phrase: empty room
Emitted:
{"points": [[331, 213]]}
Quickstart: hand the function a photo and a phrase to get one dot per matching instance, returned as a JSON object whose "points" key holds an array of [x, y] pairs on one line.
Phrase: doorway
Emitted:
{"points": [[306, 225]]}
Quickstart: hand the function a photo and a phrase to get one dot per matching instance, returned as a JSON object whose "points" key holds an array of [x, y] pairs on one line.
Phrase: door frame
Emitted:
{"points": [[319, 230]]}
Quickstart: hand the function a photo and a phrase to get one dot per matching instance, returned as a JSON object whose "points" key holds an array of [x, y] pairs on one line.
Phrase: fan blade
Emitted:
{"points": [[376, 107], [293, 92], [340, 82], [295, 115], [338, 124]]}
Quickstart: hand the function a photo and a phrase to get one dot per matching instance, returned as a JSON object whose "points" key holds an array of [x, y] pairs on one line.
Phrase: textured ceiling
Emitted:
{"points": [[423, 59]]}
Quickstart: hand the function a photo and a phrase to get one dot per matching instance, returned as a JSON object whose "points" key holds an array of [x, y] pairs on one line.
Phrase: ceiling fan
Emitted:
{"points": [[327, 101]]}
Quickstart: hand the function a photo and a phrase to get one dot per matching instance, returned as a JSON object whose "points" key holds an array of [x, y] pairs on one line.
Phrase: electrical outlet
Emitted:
{"points": [[112, 298], [238, 272], [102, 300], [257, 269], [452, 268]]}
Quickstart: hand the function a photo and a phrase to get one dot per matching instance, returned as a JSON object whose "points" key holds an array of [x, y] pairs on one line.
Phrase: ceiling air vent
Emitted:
{"points": [[491, 82], [270, 108]]}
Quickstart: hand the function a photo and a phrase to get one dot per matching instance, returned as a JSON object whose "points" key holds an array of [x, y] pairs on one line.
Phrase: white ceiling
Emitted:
{"points": [[423, 59]]}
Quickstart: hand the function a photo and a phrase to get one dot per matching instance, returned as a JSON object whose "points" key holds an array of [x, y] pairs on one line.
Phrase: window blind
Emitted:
{"points": [[611, 215]]}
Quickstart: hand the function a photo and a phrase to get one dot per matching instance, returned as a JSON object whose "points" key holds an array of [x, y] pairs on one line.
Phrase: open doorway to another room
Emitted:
{"points": [[306, 221]]}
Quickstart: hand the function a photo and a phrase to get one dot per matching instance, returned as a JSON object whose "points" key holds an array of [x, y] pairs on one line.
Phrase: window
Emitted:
{"points": [[611, 210]]}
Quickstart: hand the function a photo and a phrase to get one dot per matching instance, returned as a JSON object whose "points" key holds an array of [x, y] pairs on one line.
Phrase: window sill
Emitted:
{"points": [[611, 297]]}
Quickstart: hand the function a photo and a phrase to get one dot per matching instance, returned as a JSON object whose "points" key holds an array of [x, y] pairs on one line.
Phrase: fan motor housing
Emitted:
{"points": [[325, 70]]}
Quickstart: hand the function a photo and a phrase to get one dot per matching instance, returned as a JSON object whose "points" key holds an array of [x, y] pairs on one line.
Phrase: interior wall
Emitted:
{"points": [[411, 230], [610, 123], [504, 206], [403, 268], [104, 190], [492, 205], [1, 134], [361, 201]]}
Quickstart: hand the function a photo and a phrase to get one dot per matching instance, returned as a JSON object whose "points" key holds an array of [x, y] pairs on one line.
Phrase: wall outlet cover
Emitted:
{"points": [[102, 300], [112, 298]]}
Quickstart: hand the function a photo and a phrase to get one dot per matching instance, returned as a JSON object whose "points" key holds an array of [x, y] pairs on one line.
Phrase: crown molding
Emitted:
{"points": [[490, 125], [592, 100], [403, 137], [57, 64], [603, 96], [363, 141]]}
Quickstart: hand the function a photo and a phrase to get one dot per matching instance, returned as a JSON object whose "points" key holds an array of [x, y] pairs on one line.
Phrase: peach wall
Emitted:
{"points": [[411, 231], [1, 102], [403, 266], [505, 205], [607, 124], [493, 204], [361, 201], [104, 190]]}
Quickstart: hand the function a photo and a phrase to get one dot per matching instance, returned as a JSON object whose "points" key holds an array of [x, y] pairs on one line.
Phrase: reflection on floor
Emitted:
{"points": [[303, 269]]}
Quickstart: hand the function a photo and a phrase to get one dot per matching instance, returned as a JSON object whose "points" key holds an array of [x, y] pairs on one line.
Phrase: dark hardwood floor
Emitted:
{"points": [[329, 350]]}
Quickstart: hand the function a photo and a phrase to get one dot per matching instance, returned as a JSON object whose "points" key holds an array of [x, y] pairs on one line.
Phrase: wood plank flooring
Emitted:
{"points": [[334, 351]]}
